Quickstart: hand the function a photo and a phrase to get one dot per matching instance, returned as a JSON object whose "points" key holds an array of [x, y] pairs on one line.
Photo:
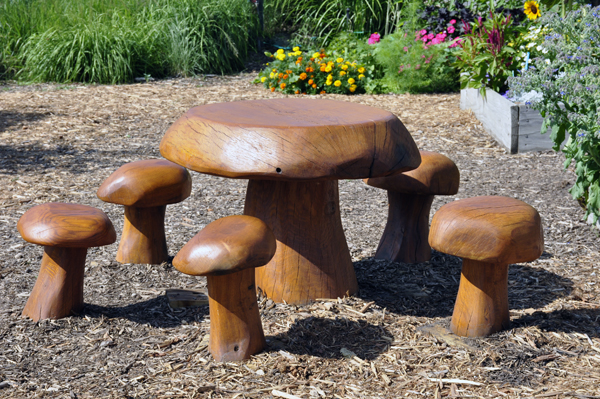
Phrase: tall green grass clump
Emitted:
{"points": [[316, 22], [114, 41]]}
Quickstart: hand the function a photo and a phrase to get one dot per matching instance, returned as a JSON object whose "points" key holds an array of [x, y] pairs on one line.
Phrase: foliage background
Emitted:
{"points": [[110, 41]]}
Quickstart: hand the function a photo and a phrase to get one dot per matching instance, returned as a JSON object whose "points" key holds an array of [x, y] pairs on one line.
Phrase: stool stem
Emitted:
{"points": [[58, 290], [481, 306]]}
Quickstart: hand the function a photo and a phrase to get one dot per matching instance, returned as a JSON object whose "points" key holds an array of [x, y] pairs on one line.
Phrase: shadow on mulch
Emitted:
{"points": [[326, 337], [9, 118], [429, 289], [17, 159], [583, 321], [153, 312]]}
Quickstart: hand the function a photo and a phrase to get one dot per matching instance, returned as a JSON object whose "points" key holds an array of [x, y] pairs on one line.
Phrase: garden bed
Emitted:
{"points": [[516, 126], [58, 143]]}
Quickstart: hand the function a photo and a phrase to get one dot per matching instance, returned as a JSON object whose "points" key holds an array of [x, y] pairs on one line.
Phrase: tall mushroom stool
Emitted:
{"points": [[66, 231], [488, 233], [145, 188], [410, 195], [227, 251]]}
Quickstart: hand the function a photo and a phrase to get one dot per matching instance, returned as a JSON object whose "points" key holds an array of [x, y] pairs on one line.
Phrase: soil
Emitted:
{"points": [[59, 142]]}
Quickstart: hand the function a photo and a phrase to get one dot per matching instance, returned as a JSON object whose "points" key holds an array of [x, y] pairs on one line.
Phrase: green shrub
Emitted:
{"points": [[566, 79], [411, 66]]}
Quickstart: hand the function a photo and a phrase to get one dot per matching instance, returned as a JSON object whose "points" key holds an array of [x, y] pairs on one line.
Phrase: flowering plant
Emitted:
{"points": [[419, 62], [318, 73], [567, 75], [488, 55]]}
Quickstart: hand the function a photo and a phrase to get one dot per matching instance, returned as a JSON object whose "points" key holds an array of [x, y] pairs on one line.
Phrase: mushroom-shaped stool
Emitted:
{"points": [[66, 231], [410, 195], [227, 251], [294, 151], [145, 188], [488, 233]]}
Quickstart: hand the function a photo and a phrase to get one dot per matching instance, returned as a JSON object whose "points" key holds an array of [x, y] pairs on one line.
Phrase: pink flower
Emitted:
{"points": [[430, 36], [423, 56], [452, 21], [418, 66], [374, 38], [451, 29], [425, 47], [436, 41], [406, 49], [423, 32]]}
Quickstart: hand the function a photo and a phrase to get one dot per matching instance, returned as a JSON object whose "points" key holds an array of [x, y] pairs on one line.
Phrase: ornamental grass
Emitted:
{"points": [[109, 41]]}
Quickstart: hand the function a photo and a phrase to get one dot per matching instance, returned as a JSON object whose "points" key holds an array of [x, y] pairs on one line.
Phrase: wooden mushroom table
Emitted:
{"points": [[293, 151]]}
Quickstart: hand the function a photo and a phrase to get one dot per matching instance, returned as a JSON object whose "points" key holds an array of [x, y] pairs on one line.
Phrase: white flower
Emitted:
{"points": [[539, 48], [545, 51], [547, 61]]}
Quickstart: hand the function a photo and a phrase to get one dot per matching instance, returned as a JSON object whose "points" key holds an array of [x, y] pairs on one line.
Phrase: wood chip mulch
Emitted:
{"points": [[59, 142]]}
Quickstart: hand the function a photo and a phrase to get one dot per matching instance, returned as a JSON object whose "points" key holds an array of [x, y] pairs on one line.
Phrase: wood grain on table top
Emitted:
{"points": [[291, 139]]}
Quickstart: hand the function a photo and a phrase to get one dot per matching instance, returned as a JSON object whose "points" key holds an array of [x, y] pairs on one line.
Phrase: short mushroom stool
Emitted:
{"points": [[488, 233], [145, 188], [66, 231], [410, 195], [227, 251]]}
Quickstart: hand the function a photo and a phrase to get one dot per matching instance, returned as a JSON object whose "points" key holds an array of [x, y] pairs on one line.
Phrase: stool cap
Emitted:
{"points": [[488, 229], [227, 245], [147, 183], [437, 175], [66, 225]]}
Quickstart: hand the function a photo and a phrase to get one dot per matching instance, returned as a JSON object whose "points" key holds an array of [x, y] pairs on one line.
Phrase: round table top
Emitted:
{"points": [[291, 139]]}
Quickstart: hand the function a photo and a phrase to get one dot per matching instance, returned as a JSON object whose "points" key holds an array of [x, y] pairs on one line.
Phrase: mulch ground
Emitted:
{"points": [[59, 142]]}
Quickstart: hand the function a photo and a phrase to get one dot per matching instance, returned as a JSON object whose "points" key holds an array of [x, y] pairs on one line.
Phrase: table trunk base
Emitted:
{"points": [[312, 259]]}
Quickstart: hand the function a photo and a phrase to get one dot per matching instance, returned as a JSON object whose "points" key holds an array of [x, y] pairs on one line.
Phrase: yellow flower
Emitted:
{"points": [[352, 89], [344, 67], [330, 77], [262, 80], [361, 76], [342, 73], [348, 63], [291, 54], [280, 51], [327, 69], [351, 81], [298, 53], [361, 70], [274, 69], [337, 83], [339, 60], [281, 57], [328, 83], [532, 9], [296, 48], [316, 55], [272, 75]]}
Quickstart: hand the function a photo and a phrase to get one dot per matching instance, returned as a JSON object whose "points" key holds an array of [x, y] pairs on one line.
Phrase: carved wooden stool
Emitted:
{"points": [[66, 231], [227, 251], [410, 195], [145, 188], [489, 233]]}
